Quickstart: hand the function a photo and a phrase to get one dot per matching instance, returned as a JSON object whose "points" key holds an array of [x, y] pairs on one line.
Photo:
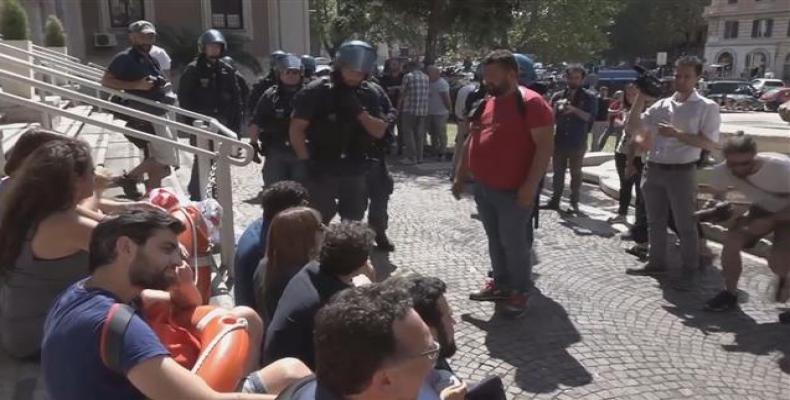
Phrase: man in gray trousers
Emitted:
{"points": [[674, 131]]}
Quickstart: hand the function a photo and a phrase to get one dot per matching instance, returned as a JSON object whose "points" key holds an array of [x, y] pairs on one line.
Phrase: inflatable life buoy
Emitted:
{"points": [[195, 238], [208, 340]]}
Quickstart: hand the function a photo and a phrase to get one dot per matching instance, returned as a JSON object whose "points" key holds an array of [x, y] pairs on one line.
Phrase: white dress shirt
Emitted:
{"points": [[697, 115]]}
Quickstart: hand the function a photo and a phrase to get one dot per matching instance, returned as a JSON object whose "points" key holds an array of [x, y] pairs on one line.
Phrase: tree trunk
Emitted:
{"points": [[434, 22]]}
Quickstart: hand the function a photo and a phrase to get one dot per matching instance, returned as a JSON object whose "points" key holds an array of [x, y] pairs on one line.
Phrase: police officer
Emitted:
{"points": [[308, 62], [339, 115], [209, 86], [269, 125], [379, 180], [265, 82], [244, 88]]}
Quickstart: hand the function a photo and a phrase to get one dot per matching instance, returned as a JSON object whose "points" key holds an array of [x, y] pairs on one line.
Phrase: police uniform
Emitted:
{"points": [[379, 181], [338, 145], [273, 117]]}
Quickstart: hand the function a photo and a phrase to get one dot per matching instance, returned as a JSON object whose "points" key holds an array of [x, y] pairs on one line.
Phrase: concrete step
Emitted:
{"points": [[71, 127]]}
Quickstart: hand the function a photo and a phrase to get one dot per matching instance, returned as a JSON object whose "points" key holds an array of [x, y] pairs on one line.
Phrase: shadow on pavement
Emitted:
{"points": [[585, 226], [536, 345]]}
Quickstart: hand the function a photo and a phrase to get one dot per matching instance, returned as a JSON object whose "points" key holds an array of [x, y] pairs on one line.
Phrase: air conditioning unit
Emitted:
{"points": [[103, 39]]}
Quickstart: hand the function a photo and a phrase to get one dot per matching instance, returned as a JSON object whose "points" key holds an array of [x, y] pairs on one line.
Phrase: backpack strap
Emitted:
{"points": [[113, 330]]}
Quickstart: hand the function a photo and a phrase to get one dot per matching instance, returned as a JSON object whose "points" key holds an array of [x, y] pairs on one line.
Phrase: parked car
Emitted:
{"points": [[732, 94], [763, 85], [773, 98]]}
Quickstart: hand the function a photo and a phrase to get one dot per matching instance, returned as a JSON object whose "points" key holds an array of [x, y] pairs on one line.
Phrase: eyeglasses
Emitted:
{"points": [[431, 354]]}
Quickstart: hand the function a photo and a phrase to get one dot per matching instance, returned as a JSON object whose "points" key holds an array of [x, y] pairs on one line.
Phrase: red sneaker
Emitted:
{"points": [[489, 292]]}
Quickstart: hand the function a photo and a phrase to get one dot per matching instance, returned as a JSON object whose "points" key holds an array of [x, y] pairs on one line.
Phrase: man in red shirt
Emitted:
{"points": [[510, 142]]}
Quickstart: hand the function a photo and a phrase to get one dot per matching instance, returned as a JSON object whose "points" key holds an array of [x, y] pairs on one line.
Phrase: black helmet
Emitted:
{"points": [[357, 55], [229, 61], [286, 62], [274, 56], [308, 62], [212, 36]]}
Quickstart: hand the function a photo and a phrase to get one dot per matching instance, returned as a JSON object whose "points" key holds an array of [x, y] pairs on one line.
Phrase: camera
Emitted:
{"points": [[648, 83], [562, 105], [158, 81]]}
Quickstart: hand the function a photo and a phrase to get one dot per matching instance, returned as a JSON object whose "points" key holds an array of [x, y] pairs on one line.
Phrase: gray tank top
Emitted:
{"points": [[28, 292]]}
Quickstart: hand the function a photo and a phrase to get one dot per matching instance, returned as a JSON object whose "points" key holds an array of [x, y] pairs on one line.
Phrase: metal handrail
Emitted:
{"points": [[94, 84], [83, 70], [227, 135], [227, 233], [54, 53]]}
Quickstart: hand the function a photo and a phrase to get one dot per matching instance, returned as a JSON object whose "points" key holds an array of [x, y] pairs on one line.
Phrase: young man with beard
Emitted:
{"points": [[428, 296], [136, 72], [509, 145], [129, 253]]}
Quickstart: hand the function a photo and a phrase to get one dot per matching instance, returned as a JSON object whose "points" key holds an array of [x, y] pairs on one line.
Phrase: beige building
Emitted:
{"points": [[96, 29], [749, 38]]}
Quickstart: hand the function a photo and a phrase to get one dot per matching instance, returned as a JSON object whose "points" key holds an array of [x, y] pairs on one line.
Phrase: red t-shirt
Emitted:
{"points": [[501, 147]]}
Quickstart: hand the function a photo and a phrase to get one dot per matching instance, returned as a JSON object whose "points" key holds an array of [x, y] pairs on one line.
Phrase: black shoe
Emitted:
{"points": [[129, 186], [784, 317], [573, 209], [514, 307], [490, 293], [724, 301], [647, 270], [638, 251], [551, 205], [383, 243], [782, 290]]}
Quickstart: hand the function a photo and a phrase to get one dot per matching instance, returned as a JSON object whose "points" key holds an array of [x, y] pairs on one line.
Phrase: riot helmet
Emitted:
{"points": [[274, 56], [357, 56], [212, 36], [286, 63], [526, 69], [308, 62]]}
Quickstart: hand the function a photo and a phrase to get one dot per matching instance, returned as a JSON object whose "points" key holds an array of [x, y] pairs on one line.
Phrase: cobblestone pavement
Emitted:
{"points": [[594, 333]]}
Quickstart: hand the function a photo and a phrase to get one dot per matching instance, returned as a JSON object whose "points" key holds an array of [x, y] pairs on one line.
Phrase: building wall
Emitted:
{"points": [[776, 48]]}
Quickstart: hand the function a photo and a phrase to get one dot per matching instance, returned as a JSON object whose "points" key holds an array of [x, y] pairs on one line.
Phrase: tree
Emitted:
{"points": [[646, 27], [53, 33], [13, 21], [181, 46]]}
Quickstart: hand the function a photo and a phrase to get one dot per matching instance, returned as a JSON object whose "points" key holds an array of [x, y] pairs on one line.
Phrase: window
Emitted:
{"points": [[730, 29], [227, 14], [124, 12], [761, 28]]}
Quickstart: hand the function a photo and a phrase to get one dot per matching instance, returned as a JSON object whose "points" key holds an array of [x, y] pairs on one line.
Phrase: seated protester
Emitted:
{"points": [[92, 207], [136, 250], [764, 178], [430, 303], [43, 239], [252, 244], [344, 254], [294, 239], [370, 345]]}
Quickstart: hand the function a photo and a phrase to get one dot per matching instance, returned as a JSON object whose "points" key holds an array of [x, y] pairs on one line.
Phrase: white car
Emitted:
{"points": [[764, 85]]}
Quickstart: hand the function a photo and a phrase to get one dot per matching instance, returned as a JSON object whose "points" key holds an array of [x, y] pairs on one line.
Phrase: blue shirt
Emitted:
{"points": [[131, 65], [249, 252], [70, 358], [571, 132]]}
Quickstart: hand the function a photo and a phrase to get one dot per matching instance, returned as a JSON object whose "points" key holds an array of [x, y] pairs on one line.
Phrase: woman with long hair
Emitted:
{"points": [[43, 239], [294, 239], [630, 175]]}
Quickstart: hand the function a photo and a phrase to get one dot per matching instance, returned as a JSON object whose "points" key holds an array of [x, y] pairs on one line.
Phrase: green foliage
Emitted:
{"points": [[13, 21], [646, 27], [53, 33], [181, 46]]}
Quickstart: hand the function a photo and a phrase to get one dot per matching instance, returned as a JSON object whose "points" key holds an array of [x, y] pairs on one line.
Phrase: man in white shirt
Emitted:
{"points": [[438, 111], [160, 55], [673, 132], [764, 178]]}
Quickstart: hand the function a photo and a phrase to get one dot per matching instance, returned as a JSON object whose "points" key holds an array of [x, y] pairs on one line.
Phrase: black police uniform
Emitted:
{"points": [[379, 181], [273, 117], [259, 88], [338, 145], [210, 88]]}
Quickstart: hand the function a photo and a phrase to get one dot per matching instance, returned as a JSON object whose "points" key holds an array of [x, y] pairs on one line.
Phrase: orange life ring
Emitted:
{"points": [[208, 340]]}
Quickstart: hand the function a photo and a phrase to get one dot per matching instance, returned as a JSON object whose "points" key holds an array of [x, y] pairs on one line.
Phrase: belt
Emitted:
{"points": [[685, 166]]}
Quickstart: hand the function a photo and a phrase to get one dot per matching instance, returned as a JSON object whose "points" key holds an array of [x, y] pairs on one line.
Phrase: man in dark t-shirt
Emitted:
{"points": [[344, 254]]}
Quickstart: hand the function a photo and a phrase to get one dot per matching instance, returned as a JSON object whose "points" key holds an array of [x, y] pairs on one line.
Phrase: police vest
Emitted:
{"points": [[275, 116]]}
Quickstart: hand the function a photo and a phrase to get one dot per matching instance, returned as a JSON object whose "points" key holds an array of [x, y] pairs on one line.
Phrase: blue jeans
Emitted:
{"points": [[509, 230]]}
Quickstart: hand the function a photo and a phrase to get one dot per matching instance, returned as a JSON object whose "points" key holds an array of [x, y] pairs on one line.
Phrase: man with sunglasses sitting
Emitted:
{"points": [[370, 344], [764, 178]]}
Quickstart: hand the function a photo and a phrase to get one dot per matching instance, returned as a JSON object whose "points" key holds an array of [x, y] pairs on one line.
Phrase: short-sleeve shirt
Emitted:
{"points": [[768, 188], [290, 333], [571, 130], [415, 93], [501, 147], [249, 252], [436, 94], [71, 361], [697, 115], [131, 65]]}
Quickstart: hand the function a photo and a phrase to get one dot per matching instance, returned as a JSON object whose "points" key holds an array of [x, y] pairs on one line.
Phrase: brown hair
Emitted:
{"points": [[291, 243], [44, 185], [28, 142]]}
